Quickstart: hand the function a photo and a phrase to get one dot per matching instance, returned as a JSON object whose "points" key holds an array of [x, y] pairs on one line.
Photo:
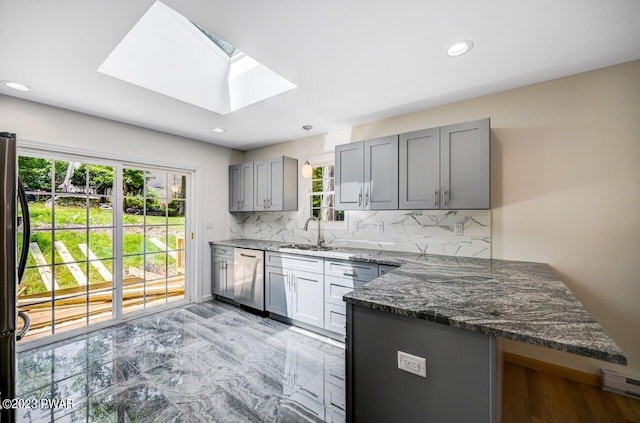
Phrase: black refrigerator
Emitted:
{"points": [[12, 270]]}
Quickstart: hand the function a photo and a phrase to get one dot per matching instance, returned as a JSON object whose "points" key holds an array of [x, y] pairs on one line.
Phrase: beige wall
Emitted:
{"points": [[565, 187], [70, 130]]}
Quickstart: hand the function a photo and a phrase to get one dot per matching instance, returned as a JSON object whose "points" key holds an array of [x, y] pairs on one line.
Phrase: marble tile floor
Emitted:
{"points": [[208, 362]]}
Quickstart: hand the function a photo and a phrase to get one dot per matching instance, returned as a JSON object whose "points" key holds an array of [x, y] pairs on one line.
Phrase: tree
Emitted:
{"points": [[35, 173]]}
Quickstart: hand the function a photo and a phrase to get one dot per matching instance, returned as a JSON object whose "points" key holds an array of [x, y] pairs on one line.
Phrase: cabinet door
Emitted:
{"points": [[419, 170], [217, 275], [464, 165], [247, 187], [349, 170], [381, 173], [228, 278], [308, 298], [260, 181], [235, 187], [277, 290], [275, 184]]}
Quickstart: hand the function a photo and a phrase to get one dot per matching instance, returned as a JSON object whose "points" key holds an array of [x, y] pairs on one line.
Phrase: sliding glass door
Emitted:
{"points": [[107, 240]]}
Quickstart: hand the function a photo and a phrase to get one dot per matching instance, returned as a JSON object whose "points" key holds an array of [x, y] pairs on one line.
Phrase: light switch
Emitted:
{"points": [[412, 364]]}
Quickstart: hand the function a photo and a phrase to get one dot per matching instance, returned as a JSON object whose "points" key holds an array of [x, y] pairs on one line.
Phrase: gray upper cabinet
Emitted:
{"points": [[349, 173], [381, 173], [464, 165], [264, 185], [235, 187], [419, 169], [445, 168], [241, 187], [367, 175]]}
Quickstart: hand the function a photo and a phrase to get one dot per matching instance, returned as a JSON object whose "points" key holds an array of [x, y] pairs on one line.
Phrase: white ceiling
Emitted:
{"points": [[353, 61]]}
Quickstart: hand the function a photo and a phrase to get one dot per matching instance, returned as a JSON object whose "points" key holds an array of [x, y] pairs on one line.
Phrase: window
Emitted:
{"points": [[77, 274], [322, 194]]}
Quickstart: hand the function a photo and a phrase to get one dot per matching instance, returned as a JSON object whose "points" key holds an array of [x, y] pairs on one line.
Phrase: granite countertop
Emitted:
{"points": [[517, 300]]}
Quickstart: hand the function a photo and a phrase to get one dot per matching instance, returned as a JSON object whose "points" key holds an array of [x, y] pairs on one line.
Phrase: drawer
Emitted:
{"points": [[351, 269], [335, 288], [335, 397], [222, 251], [335, 318], [294, 262]]}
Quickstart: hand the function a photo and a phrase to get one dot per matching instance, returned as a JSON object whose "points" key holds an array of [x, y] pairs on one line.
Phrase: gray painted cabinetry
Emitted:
{"points": [[222, 271], [446, 168], [341, 277], [241, 187], [367, 174], [437, 168], [264, 185], [294, 287], [460, 382], [276, 184]]}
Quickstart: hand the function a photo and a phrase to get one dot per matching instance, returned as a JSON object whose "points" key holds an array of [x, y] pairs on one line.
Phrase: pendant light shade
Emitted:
{"points": [[307, 170]]}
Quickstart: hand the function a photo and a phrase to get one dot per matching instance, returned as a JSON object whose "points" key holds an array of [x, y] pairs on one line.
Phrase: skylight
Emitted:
{"points": [[222, 44], [167, 53]]}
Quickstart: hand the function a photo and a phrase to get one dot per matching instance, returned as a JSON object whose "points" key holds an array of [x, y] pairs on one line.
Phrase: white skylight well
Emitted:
{"points": [[169, 54]]}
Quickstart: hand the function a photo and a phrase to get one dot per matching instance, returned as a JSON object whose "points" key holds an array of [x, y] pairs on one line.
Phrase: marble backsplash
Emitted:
{"points": [[416, 231]]}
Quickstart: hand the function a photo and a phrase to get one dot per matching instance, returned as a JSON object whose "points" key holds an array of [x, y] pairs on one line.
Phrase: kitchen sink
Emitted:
{"points": [[308, 247]]}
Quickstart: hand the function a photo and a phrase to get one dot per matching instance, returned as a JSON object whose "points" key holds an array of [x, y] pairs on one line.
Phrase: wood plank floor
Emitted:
{"points": [[533, 396]]}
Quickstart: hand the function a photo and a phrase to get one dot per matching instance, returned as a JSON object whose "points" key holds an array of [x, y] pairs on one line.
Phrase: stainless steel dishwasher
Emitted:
{"points": [[248, 270]]}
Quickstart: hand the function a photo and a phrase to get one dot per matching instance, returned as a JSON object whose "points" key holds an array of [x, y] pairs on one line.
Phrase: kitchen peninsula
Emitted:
{"points": [[452, 311]]}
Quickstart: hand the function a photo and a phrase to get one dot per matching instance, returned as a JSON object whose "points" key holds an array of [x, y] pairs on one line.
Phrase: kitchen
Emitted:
{"points": [[562, 166]]}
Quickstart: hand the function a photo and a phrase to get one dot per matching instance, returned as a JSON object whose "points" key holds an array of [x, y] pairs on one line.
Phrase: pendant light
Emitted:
{"points": [[307, 169]]}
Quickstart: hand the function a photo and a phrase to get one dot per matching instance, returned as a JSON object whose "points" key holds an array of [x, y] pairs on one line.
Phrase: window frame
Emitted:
{"points": [[327, 159]]}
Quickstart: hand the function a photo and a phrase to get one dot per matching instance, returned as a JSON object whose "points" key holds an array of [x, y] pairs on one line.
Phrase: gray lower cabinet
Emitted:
{"points": [[341, 277], [222, 271], [367, 175], [291, 291], [446, 168]]}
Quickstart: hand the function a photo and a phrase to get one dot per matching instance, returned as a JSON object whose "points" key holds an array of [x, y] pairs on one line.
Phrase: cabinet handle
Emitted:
{"points": [[264, 203], [360, 198], [445, 197], [295, 286], [225, 264], [351, 274], [366, 197], [435, 197]]}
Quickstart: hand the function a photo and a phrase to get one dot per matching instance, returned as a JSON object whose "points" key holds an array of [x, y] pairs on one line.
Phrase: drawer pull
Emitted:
{"points": [[352, 274]]}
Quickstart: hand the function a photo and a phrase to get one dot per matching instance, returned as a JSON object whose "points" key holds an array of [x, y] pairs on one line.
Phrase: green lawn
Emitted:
{"points": [[71, 228]]}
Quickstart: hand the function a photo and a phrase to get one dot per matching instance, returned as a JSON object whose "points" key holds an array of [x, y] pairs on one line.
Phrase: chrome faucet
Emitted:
{"points": [[320, 237]]}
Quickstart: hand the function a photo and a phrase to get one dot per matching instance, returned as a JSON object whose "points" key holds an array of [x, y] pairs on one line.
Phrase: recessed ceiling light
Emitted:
{"points": [[460, 48], [16, 85], [218, 130]]}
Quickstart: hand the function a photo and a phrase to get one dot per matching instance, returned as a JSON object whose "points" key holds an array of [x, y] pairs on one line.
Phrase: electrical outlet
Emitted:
{"points": [[412, 364], [458, 229], [380, 226]]}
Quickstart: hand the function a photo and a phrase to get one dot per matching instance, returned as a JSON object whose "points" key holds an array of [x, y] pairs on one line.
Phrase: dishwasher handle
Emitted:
{"points": [[247, 255]]}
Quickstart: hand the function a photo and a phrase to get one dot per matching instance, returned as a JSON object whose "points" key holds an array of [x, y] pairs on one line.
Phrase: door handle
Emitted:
{"points": [[27, 322], [26, 232], [435, 198]]}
